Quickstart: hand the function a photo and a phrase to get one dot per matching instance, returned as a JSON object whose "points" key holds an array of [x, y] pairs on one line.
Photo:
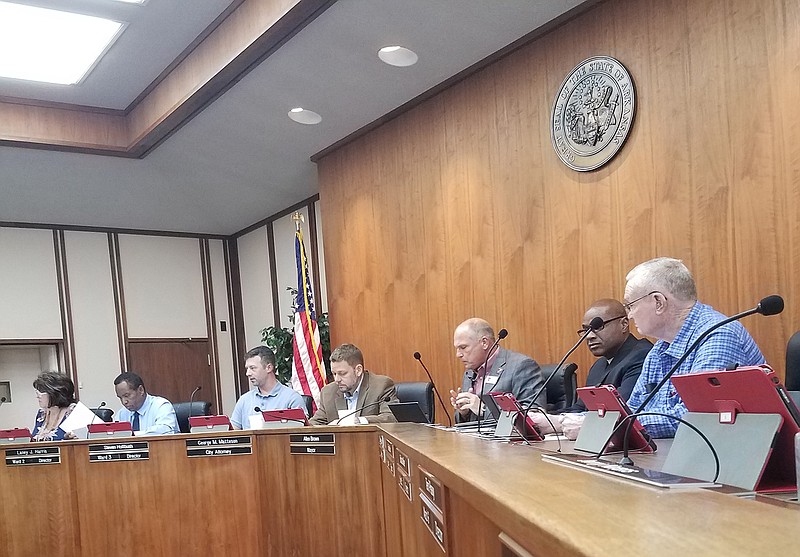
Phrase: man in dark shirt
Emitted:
{"points": [[620, 357]]}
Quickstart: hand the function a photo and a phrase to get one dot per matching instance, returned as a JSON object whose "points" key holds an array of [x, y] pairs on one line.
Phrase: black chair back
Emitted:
{"points": [[309, 402], [105, 414], [183, 410], [792, 381], [418, 391], [562, 386]]}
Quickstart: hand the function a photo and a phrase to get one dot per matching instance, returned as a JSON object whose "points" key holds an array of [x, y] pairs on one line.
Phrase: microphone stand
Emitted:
{"points": [[503, 333], [418, 357]]}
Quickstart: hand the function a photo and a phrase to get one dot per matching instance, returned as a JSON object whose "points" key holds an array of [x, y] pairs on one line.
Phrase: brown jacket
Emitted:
{"points": [[373, 388]]}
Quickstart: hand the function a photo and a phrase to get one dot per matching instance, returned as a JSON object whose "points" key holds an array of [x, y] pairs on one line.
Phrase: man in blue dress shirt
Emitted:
{"points": [[267, 392], [661, 298], [148, 414]]}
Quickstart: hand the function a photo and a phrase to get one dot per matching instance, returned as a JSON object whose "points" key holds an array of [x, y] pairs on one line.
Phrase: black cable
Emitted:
{"points": [[629, 419]]}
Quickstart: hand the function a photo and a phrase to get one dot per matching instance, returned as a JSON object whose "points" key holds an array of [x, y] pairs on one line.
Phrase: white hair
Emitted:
{"points": [[664, 274]]}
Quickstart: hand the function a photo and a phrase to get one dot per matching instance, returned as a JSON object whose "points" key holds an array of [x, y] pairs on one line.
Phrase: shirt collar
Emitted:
{"points": [[357, 389], [274, 392], [678, 346], [489, 362]]}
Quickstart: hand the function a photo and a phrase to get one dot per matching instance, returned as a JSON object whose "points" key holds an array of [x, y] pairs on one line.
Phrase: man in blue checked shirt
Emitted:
{"points": [[661, 298]]}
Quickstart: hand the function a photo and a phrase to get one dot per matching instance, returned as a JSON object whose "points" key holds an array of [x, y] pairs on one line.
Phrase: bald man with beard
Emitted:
{"points": [[620, 357]]}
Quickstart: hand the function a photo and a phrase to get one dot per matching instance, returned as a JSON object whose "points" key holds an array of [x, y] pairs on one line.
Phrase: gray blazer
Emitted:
{"points": [[513, 373]]}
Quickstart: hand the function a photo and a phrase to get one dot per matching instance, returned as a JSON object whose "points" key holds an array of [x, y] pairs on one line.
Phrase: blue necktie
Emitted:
{"points": [[135, 424]]}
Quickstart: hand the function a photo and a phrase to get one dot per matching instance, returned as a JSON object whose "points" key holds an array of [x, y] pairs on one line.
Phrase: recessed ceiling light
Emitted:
{"points": [[303, 116], [40, 44], [398, 56]]}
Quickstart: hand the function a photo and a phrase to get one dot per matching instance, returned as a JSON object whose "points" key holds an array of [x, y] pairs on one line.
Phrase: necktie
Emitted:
{"points": [[135, 424]]}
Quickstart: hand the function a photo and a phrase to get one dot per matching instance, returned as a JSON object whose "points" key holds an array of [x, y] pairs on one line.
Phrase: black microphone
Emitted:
{"points": [[101, 405], [502, 333], [594, 325], [418, 357], [771, 305], [386, 398], [2, 400]]}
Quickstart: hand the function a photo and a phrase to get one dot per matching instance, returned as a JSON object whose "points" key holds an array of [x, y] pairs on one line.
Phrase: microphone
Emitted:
{"points": [[501, 334], [771, 305], [418, 357], [386, 398], [594, 325], [191, 400], [2, 400]]}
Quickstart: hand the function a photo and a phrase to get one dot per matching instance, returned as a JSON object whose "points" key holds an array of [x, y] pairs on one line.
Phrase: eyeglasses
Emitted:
{"points": [[629, 305], [585, 328]]}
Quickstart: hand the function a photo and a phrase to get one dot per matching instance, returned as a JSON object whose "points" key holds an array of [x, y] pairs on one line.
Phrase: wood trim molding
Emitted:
{"points": [[151, 340], [280, 214], [312, 234], [109, 230], [211, 317], [249, 33], [59, 245], [237, 314], [273, 275], [119, 300]]}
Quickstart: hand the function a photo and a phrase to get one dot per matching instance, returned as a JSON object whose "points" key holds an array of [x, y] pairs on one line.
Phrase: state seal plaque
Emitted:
{"points": [[592, 113]]}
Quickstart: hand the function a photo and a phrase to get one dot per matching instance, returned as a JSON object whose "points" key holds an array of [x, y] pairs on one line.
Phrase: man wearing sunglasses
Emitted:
{"points": [[620, 357], [661, 298]]}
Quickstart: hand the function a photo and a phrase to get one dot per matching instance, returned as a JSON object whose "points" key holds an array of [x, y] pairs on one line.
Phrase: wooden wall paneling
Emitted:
{"points": [[332, 504], [38, 515], [172, 368], [709, 174]]}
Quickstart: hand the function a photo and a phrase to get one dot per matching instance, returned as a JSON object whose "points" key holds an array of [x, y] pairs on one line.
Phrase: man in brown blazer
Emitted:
{"points": [[355, 394]]}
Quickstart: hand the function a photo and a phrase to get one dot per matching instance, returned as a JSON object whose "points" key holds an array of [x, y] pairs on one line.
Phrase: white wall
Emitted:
{"points": [[256, 285], [163, 284], [20, 365], [94, 317], [29, 302], [224, 342]]}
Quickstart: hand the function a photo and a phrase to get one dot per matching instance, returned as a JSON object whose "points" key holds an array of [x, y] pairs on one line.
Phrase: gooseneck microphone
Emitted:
{"points": [[194, 392], [418, 357], [2, 400], [771, 305], [503, 333], [385, 398], [594, 325]]}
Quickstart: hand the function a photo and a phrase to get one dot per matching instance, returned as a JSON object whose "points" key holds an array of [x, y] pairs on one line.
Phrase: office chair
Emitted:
{"points": [[183, 410]]}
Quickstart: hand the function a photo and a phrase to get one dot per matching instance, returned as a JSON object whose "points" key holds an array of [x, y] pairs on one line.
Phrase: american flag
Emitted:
{"points": [[308, 367]]}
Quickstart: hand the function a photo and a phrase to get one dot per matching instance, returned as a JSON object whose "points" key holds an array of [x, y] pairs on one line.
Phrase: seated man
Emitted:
{"points": [[662, 301], [267, 392], [620, 357], [355, 391], [148, 414], [509, 372]]}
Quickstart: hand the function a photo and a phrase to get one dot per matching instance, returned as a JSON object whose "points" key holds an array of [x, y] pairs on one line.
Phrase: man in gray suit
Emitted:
{"points": [[509, 372]]}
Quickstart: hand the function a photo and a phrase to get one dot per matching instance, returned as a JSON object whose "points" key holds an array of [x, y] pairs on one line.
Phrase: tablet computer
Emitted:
{"points": [[604, 399], [110, 429], [748, 390], [15, 435], [408, 412], [508, 404], [199, 424], [290, 417]]}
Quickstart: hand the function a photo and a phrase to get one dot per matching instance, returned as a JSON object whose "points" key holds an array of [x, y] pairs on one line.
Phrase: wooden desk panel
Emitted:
{"points": [[554, 511], [38, 514], [319, 504]]}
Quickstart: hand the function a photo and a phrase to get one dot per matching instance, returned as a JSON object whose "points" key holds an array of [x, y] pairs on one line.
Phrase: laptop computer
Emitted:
{"points": [[606, 409], [408, 412], [748, 390]]}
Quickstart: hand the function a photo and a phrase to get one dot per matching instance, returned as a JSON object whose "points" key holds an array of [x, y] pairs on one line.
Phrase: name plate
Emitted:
{"points": [[327, 450], [33, 456], [115, 452], [405, 485], [433, 520], [432, 487], [389, 449], [320, 444], [219, 446], [402, 462], [325, 438]]}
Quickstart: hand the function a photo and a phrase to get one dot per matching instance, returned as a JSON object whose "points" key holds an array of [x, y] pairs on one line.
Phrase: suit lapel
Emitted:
{"points": [[362, 394]]}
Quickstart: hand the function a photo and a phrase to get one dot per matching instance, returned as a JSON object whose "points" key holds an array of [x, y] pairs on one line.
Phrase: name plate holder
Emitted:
{"points": [[119, 452], [432, 508], [113, 429], [33, 456], [16, 435], [317, 444], [219, 446]]}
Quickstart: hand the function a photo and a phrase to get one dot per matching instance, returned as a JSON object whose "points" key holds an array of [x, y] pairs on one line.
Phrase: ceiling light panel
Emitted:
{"points": [[40, 44]]}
